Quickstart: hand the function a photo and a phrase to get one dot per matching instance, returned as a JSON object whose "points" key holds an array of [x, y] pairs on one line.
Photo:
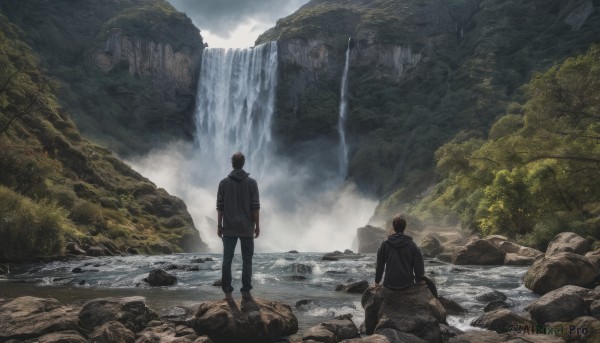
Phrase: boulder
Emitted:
{"points": [[479, 252], [452, 307], [568, 242], [595, 309], [159, 277], [353, 287], [513, 259], [300, 268], [370, 238], [594, 257], [561, 305], [501, 320], [529, 252], [338, 255], [185, 267], [412, 311], [163, 332], [130, 311], [246, 320], [303, 302], [496, 240], [449, 332], [491, 296], [30, 317], [110, 332], [178, 315], [95, 251], [556, 270], [73, 248], [430, 246], [495, 305], [62, 337], [217, 283], [584, 329], [335, 330], [494, 337]]}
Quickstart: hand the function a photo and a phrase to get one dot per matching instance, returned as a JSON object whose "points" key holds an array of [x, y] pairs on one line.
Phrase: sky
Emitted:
{"points": [[235, 23]]}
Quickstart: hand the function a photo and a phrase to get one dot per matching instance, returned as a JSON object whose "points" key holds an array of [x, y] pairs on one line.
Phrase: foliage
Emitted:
{"points": [[537, 173], [28, 228]]}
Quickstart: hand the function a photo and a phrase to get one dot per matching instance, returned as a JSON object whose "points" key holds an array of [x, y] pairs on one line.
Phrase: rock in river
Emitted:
{"points": [[568, 242], [560, 269], [479, 252], [159, 277]]}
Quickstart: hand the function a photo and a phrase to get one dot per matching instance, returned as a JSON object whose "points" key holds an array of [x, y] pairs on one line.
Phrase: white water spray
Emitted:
{"points": [[302, 205], [343, 113]]}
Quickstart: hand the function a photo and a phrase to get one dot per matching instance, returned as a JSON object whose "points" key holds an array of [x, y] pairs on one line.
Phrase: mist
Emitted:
{"points": [[304, 206]]}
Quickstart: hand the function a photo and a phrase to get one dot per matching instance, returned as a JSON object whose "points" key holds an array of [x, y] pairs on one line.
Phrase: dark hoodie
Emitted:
{"points": [[402, 261], [237, 197]]}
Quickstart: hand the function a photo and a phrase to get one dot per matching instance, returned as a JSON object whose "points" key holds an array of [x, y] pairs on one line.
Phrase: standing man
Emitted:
{"points": [[401, 259], [238, 208]]}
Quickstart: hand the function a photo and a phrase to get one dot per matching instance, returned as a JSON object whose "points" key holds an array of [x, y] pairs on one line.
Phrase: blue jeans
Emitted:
{"points": [[247, 244]]}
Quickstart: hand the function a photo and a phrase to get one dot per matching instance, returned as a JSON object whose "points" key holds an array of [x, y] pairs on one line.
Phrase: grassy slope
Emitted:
{"points": [[55, 183], [125, 114], [462, 83]]}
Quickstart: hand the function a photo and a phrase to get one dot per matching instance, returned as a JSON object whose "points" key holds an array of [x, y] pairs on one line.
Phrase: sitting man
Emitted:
{"points": [[401, 259]]}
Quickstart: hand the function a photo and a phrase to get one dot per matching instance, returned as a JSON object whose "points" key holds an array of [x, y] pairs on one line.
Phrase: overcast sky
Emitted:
{"points": [[235, 23]]}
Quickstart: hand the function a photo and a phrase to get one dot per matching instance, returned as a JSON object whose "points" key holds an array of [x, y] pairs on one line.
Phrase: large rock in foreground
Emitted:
{"points": [[479, 252], [30, 317], [369, 238], [130, 311], [561, 305], [245, 321], [335, 330], [501, 320], [560, 269], [414, 311], [568, 242]]}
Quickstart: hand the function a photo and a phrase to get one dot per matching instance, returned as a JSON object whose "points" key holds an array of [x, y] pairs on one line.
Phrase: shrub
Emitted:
{"points": [[28, 228], [87, 213]]}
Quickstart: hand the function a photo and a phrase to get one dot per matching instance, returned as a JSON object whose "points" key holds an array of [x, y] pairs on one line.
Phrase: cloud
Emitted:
{"points": [[222, 19]]}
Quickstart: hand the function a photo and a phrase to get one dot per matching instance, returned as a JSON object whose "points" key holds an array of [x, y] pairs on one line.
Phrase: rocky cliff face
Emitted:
{"points": [[158, 62], [420, 71]]}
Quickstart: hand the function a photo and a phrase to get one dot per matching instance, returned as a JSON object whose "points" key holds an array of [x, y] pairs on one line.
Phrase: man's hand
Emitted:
{"points": [[257, 231], [220, 231]]}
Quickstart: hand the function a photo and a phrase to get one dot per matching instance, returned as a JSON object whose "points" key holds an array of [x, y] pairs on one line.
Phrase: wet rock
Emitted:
{"points": [[595, 309], [348, 316], [478, 252], [300, 268], [293, 252], [511, 259], [202, 260], [110, 332], [449, 332], [178, 315], [30, 317], [132, 251], [491, 296], [62, 337], [452, 307], [561, 305], [296, 277], [130, 311], [250, 321], [430, 246], [369, 238], [353, 287], [159, 277], [332, 331], [501, 320], [554, 271], [73, 248], [335, 272], [483, 336], [162, 332], [303, 302], [95, 251], [584, 329], [495, 305], [185, 267], [338, 255], [218, 283], [77, 270], [413, 311], [568, 242]]}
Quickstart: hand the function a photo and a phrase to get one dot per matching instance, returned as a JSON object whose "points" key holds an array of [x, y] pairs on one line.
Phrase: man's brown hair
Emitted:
{"points": [[238, 160], [399, 223]]}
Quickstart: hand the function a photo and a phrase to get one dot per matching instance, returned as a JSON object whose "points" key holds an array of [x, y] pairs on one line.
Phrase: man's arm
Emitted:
{"points": [[256, 218], [220, 223], [220, 207], [418, 264], [380, 263]]}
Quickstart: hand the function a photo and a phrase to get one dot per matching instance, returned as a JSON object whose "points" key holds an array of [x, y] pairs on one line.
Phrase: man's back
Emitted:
{"points": [[237, 197], [402, 260]]}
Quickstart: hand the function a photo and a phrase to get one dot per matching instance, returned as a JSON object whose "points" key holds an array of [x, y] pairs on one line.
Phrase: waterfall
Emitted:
{"points": [[343, 148], [236, 99]]}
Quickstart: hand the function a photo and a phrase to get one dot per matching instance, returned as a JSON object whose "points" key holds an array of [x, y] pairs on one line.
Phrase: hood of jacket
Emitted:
{"points": [[238, 174], [399, 240]]}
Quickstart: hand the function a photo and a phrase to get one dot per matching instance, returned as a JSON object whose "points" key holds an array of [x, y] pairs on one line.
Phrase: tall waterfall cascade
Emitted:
{"points": [[236, 100], [343, 113]]}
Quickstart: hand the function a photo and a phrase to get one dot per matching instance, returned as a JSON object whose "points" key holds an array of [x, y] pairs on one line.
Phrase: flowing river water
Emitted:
{"points": [[273, 279]]}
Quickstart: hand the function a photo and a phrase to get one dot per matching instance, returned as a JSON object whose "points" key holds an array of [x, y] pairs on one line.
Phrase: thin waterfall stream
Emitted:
{"points": [[343, 113]]}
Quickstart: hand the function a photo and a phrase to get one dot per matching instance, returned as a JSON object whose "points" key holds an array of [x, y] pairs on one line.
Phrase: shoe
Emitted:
{"points": [[228, 297], [246, 296]]}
